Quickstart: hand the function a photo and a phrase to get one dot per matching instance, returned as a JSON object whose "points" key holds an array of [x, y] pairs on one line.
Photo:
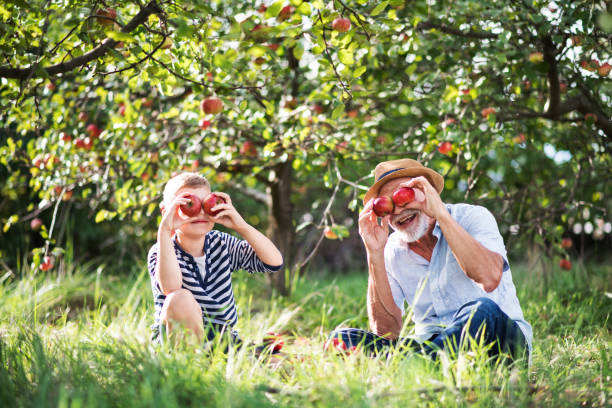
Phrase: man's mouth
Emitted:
{"points": [[406, 217]]}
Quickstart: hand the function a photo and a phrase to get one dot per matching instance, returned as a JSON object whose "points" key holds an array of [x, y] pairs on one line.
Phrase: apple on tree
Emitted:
{"points": [[565, 264], [210, 202], [106, 16], [329, 233], [35, 224], [341, 24], [47, 264], [248, 149], [204, 124], [192, 207], [285, 13], [567, 243], [83, 116], [445, 147], [211, 105]]}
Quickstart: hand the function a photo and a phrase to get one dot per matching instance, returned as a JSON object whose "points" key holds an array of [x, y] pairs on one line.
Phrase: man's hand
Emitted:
{"points": [[228, 216], [374, 236], [427, 198], [171, 220]]}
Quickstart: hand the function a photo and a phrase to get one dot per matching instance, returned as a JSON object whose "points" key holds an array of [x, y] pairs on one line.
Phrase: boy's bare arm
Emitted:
{"points": [[168, 272], [229, 217]]}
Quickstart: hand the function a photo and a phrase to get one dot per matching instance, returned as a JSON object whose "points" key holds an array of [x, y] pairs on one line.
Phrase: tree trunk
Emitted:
{"points": [[280, 216]]}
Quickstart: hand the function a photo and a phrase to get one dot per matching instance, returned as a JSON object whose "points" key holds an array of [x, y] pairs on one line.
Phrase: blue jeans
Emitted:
{"points": [[480, 317]]}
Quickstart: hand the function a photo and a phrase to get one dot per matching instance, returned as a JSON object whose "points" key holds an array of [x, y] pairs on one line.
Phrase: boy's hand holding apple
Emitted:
{"points": [[219, 208]]}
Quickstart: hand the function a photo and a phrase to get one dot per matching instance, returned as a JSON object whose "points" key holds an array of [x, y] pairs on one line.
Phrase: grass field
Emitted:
{"points": [[80, 338]]}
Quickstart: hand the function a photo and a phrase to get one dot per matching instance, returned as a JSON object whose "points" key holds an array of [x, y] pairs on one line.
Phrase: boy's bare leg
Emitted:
{"points": [[182, 310]]}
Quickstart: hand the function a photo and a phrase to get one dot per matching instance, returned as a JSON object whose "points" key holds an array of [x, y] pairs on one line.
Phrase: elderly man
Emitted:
{"points": [[447, 261]]}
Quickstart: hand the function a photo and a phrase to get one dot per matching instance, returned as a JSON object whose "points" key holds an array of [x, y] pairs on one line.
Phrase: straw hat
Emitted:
{"points": [[393, 169]]}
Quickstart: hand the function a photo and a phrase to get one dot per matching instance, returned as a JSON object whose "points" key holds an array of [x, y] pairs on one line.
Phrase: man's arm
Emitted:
{"points": [[480, 264], [384, 316]]}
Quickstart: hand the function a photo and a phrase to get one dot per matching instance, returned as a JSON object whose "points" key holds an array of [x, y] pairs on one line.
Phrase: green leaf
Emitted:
{"points": [[359, 71], [338, 110], [298, 50], [120, 36], [274, 9], [379, 8], [346, 57]]}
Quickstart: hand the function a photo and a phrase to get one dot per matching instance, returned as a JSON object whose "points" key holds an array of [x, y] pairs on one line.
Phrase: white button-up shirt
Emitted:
{"points": [[435, 290]]}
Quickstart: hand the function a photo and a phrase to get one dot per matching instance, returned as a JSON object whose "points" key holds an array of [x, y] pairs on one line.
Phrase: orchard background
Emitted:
{"points": [[288, 106]]}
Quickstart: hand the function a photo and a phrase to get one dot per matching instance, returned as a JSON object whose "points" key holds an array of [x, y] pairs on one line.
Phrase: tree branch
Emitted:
{"points": [[478, 35], [553, 76], [109, 43]]}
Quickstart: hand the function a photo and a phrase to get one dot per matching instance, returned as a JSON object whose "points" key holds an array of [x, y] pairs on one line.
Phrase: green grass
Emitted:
{"points": [[81, 338]]}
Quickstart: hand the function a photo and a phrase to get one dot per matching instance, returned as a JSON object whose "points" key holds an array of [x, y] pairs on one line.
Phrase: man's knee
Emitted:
{"points": [[180, 305]]}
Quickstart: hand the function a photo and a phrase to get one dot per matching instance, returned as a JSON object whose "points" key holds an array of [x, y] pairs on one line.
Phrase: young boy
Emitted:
{"points": [[191, 264]]}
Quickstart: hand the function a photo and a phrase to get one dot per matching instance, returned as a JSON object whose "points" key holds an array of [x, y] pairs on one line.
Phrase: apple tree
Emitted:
{"points": [[292, 103]]}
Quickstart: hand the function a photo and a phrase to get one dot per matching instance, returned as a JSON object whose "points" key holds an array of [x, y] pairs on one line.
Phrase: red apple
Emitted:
{"points": [[66, 138], [318, 109], [285, 13], [337, 344], [567, 243], [383, 206], [35, 224], [259, 61], [262, 8], [273, 46], [83, 116], [192, 207], [329, 233], [248, 149], [341, 24], [204, 124], [565, 264], [209, 76], [50, 86], [487, 111], [211, 105], [403, 196], [47, 264], [122, 108], [93, 130], [210, 202], [445, 147], [67, 195], [274, 341], [604, 69], [352, 113], [88, 143], [146, 102], [102, 13]]}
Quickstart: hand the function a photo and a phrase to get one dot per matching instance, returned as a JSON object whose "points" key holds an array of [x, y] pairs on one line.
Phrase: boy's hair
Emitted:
{"points": [[179, 181]]}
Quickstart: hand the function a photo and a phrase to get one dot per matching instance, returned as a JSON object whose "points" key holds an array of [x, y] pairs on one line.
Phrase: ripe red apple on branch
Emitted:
{"points": [[204, 124], [565, 264], [192, 207], [210, 202], [403, 196], [329, 233], [445, 147], [105, 16], [383, 206], [211, 105], [566, 243], [47, 264], [285, 13], [94, 131], [35, 224], [248, 149], [341, 24]]}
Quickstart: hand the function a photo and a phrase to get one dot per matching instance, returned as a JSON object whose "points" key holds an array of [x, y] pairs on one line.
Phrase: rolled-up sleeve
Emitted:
{"points": [[483, 227], [243, 256]]}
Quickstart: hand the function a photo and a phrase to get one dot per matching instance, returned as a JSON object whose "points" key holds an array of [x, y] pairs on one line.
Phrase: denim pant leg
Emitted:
{"points": [[367, 341], [483, 317]]}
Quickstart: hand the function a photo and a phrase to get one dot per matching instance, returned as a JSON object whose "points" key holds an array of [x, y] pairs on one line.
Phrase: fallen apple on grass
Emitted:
{"points": [[274, 341]]}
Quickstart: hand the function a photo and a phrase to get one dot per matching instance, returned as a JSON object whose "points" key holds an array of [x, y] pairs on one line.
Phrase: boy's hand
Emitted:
{"points": [[171, 220], [228, 216]]}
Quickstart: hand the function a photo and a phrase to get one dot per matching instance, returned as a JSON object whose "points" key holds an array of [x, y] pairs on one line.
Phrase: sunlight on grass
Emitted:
{"points": [[81, 338]]}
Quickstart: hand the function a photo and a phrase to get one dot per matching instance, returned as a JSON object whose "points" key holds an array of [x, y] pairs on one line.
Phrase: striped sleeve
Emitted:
{"points": [[152, 265], [243, 256]]}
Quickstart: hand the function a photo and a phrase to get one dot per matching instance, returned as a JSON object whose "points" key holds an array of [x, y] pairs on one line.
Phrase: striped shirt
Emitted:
{"points": [[213, 288]]}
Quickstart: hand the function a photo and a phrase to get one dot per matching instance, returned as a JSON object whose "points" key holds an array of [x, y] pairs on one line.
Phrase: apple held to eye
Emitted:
{"points": [[403, 196], [210, 202], [383, 206], [192, 207]]}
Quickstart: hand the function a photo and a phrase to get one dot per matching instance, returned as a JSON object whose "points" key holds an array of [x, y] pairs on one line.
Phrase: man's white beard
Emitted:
{"points": [[416, 231]]}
